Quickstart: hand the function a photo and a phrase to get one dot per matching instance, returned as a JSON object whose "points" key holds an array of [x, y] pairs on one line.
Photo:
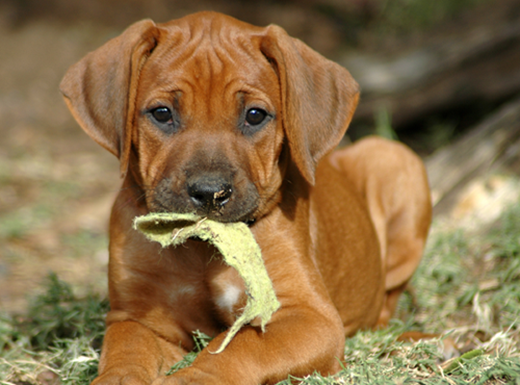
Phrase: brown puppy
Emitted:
{"points": [[234, 122]]}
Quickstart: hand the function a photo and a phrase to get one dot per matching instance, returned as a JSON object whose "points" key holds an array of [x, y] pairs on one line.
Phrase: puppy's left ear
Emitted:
{"points": [[319, 98]]}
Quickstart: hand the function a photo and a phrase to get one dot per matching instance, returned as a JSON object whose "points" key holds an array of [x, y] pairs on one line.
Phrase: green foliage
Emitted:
{"points": [[468, 276], [383, 122], [60, 336], [57, 314], [201, 341]]}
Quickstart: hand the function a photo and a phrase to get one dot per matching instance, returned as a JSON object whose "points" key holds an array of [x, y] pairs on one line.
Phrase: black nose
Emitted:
{"points": [[210, 192]]}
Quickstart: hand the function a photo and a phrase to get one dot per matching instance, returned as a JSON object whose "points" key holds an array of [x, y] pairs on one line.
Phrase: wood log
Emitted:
{"points": [[492, 146], [477, 62]]}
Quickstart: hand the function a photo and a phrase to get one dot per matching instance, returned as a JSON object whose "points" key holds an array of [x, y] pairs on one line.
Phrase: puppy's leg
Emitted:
{"points": [[129, 341], [298, 342], [393, 183], [405, 245]]}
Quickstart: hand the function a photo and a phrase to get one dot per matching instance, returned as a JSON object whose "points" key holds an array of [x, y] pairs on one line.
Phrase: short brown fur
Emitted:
{"points": [[340, 233]]}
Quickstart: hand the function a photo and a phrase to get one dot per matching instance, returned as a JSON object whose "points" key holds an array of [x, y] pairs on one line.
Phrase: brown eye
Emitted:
{"points": [[165, 118], [162, 114], [255, 116]]}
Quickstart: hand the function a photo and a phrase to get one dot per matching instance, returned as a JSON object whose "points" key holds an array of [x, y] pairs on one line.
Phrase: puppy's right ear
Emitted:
{"points": [[319, 98], [100, 90]]}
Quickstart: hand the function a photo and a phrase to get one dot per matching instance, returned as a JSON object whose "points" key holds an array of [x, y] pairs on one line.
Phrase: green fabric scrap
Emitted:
{"points": [[236, 243]]}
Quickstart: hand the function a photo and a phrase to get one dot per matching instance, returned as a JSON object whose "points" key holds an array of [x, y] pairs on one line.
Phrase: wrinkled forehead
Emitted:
{"points": [[209, 52]]}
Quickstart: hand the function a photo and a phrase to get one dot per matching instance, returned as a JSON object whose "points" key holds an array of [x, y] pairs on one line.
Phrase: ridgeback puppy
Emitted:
{"points": [[234, 122]]}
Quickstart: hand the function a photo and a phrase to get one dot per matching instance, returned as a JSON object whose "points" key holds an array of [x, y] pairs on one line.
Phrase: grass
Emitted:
{"points": [[467, 289], [60, 336]]}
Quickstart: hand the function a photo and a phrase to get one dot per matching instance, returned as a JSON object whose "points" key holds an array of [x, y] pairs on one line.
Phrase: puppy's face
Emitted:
{"points": [[206, 111], [207, 127]]}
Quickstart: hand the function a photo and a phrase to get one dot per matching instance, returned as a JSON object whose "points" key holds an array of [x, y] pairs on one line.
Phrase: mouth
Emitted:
{"points": [[220, 217], [165, 228], [248, 222], [215, 198]]}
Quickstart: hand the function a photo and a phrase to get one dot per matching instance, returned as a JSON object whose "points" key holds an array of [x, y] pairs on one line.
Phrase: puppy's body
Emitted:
{"points": [[214, 116]]}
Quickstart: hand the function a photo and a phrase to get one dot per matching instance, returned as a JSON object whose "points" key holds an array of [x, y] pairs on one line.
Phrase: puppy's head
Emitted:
{"points": [[207, 111]]}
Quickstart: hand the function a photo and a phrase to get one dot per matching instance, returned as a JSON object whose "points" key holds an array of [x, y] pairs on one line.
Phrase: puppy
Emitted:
{"points": [[234, 122]]}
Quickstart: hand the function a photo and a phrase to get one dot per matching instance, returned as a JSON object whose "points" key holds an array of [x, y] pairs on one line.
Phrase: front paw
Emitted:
{"points": [[169, 380], [124, 377], [190, 376]]}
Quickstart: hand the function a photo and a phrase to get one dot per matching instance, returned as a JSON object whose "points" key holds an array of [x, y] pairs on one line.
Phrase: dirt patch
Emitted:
{"points": [[56, 185]]}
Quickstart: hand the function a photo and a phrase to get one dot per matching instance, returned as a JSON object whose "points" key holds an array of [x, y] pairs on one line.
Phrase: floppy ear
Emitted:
{"points": [[318, 96], [100, 90]]}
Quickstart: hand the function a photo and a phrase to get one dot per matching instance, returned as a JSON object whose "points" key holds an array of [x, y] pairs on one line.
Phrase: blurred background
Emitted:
{"points": [[442, 76]]}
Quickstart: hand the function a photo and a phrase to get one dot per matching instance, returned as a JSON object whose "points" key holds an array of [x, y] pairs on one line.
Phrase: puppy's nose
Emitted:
{"points": [[210, 192]]}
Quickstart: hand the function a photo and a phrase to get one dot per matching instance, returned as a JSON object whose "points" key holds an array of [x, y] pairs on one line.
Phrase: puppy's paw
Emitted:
{"points": [[122, 378], [191, 376], [169, 380]]}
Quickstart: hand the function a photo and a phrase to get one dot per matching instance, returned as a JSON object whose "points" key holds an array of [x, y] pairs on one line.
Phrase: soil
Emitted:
{"points": [[56, 185]]}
